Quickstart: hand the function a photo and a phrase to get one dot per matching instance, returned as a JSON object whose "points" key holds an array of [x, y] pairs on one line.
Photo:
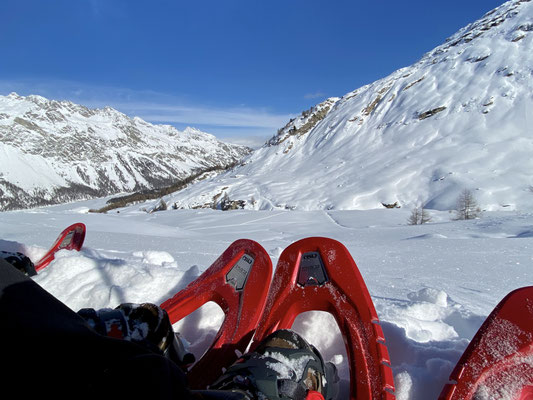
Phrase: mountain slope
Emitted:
{"points": [[54, 152], [461, 117]]}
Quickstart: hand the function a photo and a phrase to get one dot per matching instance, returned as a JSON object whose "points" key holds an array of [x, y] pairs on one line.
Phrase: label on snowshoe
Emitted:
{"points": [[312, 271], [66, 241], [239, 273]]}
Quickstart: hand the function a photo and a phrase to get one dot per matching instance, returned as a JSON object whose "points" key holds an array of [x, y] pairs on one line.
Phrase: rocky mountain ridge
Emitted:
{"points": [[58, 151]]}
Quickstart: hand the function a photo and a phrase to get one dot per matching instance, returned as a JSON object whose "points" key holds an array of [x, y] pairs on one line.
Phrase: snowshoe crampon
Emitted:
{"points": [[498, 363], [320, 274], [238, 282], [71, 238]]}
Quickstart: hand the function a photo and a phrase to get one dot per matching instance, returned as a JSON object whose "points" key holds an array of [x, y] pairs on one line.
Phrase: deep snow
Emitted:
{"points": [[432, 285]]}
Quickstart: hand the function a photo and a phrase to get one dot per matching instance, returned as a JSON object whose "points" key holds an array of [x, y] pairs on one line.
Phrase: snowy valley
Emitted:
{"points": [[460, 118]]}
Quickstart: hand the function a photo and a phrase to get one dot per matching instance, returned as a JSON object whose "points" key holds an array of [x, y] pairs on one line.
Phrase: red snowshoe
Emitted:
{"points": [[498, 363], [320, 274], [70, 239], [238, 282], [312, 274]]}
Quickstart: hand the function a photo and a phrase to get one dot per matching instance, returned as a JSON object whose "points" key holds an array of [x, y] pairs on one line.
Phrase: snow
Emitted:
{"points": [[155, 257], [27, 169], [432, 285], [285, 367]]}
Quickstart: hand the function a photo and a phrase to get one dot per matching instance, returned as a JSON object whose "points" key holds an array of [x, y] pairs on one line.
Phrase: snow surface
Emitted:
{"points": [[432, 285]]}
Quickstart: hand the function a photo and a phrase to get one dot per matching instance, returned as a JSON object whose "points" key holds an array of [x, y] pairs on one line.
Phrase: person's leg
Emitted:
{"points": [[49, 349]]}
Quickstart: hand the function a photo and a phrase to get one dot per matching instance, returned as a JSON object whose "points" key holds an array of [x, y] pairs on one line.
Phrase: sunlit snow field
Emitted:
{"points": [[432, 285]]}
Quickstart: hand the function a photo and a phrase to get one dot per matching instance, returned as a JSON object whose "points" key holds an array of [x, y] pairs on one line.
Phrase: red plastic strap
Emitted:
{"points": [[499, 356], [71, 238], [526, 393], [320, 274], [314, 395], [238, 282]]}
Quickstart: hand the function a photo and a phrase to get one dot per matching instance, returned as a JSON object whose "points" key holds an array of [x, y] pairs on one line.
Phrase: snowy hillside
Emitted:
{"points": [[433, 284], [53, 152], [461, 117]]}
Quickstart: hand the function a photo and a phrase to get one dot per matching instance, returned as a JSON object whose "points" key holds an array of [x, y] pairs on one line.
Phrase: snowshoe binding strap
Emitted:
{"points": [[320, 274], [238, 282], [498, 361], [71, 238], [107, 322]]}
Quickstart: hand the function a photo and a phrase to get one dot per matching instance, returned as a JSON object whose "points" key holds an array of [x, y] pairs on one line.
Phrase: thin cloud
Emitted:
{"points": [[315, 95], [237, 117], [157, 107]]}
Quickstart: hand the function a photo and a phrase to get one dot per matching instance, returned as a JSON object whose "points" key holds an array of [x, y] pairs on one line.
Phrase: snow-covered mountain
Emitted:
{"points": [[57, 151], [460, 118]]}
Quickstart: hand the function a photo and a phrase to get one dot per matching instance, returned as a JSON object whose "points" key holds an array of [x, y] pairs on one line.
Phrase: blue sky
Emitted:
{"points": [[234, 68]]}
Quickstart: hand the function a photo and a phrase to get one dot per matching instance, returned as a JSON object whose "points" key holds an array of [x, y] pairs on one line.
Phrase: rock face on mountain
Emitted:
{"points": [[58, 151], [298, 127], [460, 118]]}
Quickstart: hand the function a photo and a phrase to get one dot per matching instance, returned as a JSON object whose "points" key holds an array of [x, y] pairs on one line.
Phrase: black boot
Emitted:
{"points": [[284, 366], [145, 324], [20, 262]]}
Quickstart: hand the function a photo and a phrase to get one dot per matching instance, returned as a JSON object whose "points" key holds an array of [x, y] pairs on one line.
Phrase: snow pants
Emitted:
{"points": [[47, 349]]}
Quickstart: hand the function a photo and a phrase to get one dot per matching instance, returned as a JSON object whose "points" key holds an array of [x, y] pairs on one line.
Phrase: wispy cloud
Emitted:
{"points": [[315, 95], [227, 117], [154, 107]]}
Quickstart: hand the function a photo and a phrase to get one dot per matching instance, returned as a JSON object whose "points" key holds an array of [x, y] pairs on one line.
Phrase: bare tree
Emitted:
{"points": [[419, 216], [467, 207], [160, 206]]}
